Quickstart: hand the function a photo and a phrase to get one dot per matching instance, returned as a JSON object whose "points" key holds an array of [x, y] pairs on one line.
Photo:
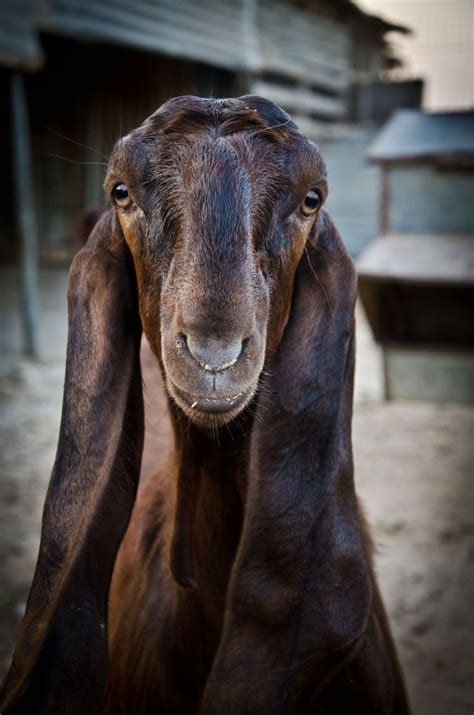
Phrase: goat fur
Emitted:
{"points": [[225, 566]]}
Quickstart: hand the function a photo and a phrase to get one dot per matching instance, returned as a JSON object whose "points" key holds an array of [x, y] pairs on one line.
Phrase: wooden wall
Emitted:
{"points": [[430, 199], [354, 187], [303, 54], [90, 94]]}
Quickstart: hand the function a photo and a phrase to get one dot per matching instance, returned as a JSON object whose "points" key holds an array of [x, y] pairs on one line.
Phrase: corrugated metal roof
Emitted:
{"points": [[411, 134], [207, 31], [257, 35]]}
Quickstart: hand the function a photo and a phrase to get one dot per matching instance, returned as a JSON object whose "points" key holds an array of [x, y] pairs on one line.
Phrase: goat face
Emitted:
{"points": [[216, 200]]}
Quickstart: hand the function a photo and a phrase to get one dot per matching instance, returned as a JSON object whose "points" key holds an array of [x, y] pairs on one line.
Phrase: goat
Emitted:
{"points": [[234, 573]]}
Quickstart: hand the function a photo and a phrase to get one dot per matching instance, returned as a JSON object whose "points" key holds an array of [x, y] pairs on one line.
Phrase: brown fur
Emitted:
{"points": [[244, 582]]}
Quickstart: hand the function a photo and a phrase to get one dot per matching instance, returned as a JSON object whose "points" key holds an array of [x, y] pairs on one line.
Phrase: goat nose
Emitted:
{"points": [[212, 354]]}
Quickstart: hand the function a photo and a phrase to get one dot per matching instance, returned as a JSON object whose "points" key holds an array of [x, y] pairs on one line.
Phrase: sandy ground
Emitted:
{"points": [[414, 471]]}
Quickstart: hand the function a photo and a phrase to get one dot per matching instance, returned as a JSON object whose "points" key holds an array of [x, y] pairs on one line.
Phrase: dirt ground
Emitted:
{"points": [[414, 473]]}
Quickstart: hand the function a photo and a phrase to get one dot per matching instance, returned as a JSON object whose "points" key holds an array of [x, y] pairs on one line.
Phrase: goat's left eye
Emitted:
{"points": [[311, 203], [121, 196]]}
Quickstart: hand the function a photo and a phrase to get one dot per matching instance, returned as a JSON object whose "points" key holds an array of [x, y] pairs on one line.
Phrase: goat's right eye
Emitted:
{"points": [[311, 203], [121, 196]]}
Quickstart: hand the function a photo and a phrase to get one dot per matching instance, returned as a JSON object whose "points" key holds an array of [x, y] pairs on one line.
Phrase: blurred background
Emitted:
{"points": [[386, 88]]}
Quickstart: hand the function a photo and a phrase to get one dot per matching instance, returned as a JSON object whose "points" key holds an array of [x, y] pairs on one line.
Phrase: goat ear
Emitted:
{"points": [[60, 659], [300, 591]]}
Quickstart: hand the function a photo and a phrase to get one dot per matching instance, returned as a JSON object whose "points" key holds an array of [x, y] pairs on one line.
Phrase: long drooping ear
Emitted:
{"points": [[60, 661], [299, 603]]}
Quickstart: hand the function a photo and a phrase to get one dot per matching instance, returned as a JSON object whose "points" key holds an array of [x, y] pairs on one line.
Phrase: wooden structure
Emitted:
{"points": [[92, 69], [25, 212], [416, 280], [96, 68]]}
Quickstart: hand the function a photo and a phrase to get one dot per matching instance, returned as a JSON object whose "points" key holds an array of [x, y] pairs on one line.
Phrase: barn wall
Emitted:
{"points": [[7, 231], [427, 199], [90, 95], [354, 188]]}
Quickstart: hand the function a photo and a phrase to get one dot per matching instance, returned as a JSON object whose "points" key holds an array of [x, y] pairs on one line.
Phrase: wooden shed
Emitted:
{"points": [[95, 68], [76, 74], [416, 281]]}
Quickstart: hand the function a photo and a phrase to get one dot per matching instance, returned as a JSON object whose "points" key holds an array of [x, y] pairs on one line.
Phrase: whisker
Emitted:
{"points": [[73, 141], [99, 138], [274, 126], [325, 252], [318, 279], [80, 163]]}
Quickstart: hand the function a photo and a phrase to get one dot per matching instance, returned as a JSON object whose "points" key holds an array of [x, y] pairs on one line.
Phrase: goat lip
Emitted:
{"points": [[214, 404]]}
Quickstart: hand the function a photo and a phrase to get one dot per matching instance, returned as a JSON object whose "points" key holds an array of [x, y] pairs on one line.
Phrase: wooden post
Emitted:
{"points": [[384, 221], [26, 219], [384, 228], [250, 40]]}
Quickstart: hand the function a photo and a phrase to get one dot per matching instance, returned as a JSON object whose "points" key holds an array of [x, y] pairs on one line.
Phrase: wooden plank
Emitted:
{"points": [[439, 259], [306, 73], [26, 218], [427, 200], [420, 374], [384, 217], [250, 35], [323, 131], [301, 100], [305, 46], [283, 19]]}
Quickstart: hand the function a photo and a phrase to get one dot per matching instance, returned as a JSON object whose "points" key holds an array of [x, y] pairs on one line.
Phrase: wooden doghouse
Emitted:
{"points": [[416, 281]]}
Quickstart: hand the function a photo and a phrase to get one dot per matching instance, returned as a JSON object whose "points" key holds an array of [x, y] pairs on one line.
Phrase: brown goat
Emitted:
{"points": [[238, 579]]}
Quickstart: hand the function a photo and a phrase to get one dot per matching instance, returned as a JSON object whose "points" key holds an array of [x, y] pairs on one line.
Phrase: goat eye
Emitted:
{"points": [[311, 203], [121, 196]]}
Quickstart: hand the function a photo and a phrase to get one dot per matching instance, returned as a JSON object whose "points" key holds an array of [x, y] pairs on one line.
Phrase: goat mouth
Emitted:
{"points": [[225, 408]]}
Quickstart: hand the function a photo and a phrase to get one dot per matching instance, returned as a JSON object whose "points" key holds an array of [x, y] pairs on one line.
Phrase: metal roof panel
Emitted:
{"points": [[411, 134], [233, 34]]}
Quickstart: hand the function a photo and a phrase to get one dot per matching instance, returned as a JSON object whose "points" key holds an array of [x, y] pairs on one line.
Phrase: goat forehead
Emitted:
{"points": [[217, 153], [215, 193], [179, 166], [207, 167], [219, 212]]}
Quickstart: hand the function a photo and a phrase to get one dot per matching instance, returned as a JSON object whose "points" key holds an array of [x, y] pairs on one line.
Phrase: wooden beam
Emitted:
{"points": [[25, 216], [384, 217], [301, 100]]}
